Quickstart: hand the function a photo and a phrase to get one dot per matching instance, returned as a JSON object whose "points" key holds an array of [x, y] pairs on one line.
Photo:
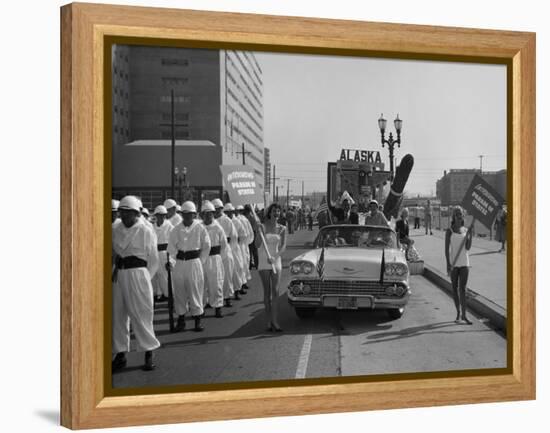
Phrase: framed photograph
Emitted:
{"points": [[306, 216]]}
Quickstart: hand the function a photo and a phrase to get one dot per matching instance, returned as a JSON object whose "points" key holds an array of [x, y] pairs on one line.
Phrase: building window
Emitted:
{"points": [[180, 135], [174, 62], [174, 81], [177, 99], [181, 117]]}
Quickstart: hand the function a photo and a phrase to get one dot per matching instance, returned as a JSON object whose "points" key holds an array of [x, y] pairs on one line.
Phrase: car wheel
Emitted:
{"points": [[305, 313], [395, 313]]}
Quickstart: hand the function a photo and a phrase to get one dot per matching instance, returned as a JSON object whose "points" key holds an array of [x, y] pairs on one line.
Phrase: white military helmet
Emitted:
{"points": [[208, 207], [240, 207], [188, 206], [228, 207], [130, 202], [145, 211], [217, 203], [160, 210], [178, 208], [170, 203], [114, 204]]}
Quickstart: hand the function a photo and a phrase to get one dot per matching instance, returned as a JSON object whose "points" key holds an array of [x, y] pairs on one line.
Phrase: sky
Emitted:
{"points": [[314, 106]]}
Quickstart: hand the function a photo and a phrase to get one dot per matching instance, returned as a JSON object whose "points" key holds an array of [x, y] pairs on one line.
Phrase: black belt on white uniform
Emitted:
{"points": [[130, 262], [188, 255], [214, 251], [162, 247]]}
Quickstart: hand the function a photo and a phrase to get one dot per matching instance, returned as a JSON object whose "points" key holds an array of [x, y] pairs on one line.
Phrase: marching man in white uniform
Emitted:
{"points": [[213, 268], [227, 255], [238, 274], [136, 261], [171, 206], [190, 244], [162, 227], [248, 239]]}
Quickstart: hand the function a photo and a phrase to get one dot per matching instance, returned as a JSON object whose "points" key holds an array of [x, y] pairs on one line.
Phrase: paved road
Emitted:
{"points": [[237, 347]]}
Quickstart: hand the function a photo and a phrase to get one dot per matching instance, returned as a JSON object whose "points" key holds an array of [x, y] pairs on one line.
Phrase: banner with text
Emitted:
{"points": [[482, 201], [240, 183]]}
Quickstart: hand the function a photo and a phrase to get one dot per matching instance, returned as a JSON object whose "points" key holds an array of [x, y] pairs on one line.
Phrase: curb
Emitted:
{"points": [[479, 304]]}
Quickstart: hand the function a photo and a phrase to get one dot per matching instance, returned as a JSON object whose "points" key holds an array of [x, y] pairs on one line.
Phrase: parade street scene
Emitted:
{"points": [[298, 216]]}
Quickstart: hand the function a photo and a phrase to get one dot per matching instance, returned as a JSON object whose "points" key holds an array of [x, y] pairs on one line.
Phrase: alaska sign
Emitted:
{"points": [[357, 155]]}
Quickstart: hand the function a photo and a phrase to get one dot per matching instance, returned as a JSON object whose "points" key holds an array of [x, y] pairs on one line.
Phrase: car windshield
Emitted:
{"points": [[356, 236]]}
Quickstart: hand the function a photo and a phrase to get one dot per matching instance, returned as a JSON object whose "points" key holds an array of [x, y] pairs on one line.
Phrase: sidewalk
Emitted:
{"points": [[488, 266]]}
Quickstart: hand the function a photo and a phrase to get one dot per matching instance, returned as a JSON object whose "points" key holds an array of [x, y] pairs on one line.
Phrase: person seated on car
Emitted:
{"points": [[333, 239]]}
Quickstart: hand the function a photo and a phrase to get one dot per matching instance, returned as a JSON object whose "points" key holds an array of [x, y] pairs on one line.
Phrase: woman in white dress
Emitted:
{"points": [[458, 241], [275, 237]]}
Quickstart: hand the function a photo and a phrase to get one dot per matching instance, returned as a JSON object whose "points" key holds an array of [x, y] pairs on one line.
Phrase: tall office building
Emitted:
{"points": [[218, 110], [267, 172]]}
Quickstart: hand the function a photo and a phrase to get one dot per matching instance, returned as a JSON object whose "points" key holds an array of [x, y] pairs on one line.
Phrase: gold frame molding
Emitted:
{"points": [[85, 28]]}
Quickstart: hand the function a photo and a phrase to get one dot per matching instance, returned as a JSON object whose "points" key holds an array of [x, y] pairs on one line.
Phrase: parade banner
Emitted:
{"points": [[482, 201], [240, 183]]}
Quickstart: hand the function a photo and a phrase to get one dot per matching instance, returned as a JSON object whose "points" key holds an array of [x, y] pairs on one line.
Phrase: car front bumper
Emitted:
{"points": [[362, 301]]}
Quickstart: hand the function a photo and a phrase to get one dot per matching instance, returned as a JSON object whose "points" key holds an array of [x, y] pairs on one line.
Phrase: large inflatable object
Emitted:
{"points": [[393, 201]]}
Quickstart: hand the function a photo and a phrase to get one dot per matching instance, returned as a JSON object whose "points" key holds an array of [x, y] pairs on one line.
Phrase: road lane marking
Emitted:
{"points": [[304, 358]]}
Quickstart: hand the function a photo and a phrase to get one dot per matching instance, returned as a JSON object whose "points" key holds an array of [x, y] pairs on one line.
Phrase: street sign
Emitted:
{"points": [[482, 201], [240, 184]]}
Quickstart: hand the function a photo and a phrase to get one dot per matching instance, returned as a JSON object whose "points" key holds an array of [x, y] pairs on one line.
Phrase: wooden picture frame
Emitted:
{"points": [[85, 198]]}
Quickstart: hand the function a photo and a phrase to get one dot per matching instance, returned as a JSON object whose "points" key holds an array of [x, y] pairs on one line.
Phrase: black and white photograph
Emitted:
{"points": [[284, 216]]}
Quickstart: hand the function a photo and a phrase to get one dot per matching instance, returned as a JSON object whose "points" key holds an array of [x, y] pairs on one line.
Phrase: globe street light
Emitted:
{"points": [[391, 142]]}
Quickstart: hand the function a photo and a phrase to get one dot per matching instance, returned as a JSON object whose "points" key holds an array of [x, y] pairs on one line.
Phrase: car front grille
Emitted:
{"points": [[338, 287]]}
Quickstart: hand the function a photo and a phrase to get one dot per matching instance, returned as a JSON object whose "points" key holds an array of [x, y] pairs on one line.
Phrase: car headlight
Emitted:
{"points": [[400, 290], [295, 268], [297, 289], [398, 269], [307, 267], [301, 268]]}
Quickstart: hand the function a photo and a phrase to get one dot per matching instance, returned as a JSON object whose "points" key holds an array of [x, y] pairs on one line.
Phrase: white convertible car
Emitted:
{"points": [[350, 267]]}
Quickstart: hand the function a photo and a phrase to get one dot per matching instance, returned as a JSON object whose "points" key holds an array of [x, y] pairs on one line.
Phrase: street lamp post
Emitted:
{"points": [[391, 142]]}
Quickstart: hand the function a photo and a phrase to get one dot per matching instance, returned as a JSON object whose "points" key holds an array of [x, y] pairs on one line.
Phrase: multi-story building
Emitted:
{"points": [[218, 113], [450, 189], [267, 171]]}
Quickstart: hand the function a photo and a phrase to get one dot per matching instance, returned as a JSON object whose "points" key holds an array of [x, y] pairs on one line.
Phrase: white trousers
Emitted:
{"points": [[246, 262], [160, 280], [188, 287], [133, 302], [238, 273], [213, 281], [229, 270]]}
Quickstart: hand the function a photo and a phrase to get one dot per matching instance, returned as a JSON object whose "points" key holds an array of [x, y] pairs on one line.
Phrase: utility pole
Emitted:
{"points": [[244, 153], [287, 191], [481, 164], [173, 127], [302, 193], [274, 179]]}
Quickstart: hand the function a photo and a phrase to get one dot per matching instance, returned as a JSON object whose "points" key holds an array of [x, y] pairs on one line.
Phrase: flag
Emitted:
{"points": [[323, 207], [321, 265]]}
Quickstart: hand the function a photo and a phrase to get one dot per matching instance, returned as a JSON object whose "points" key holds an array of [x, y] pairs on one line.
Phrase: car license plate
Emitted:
{"points": [[346, 303]]}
